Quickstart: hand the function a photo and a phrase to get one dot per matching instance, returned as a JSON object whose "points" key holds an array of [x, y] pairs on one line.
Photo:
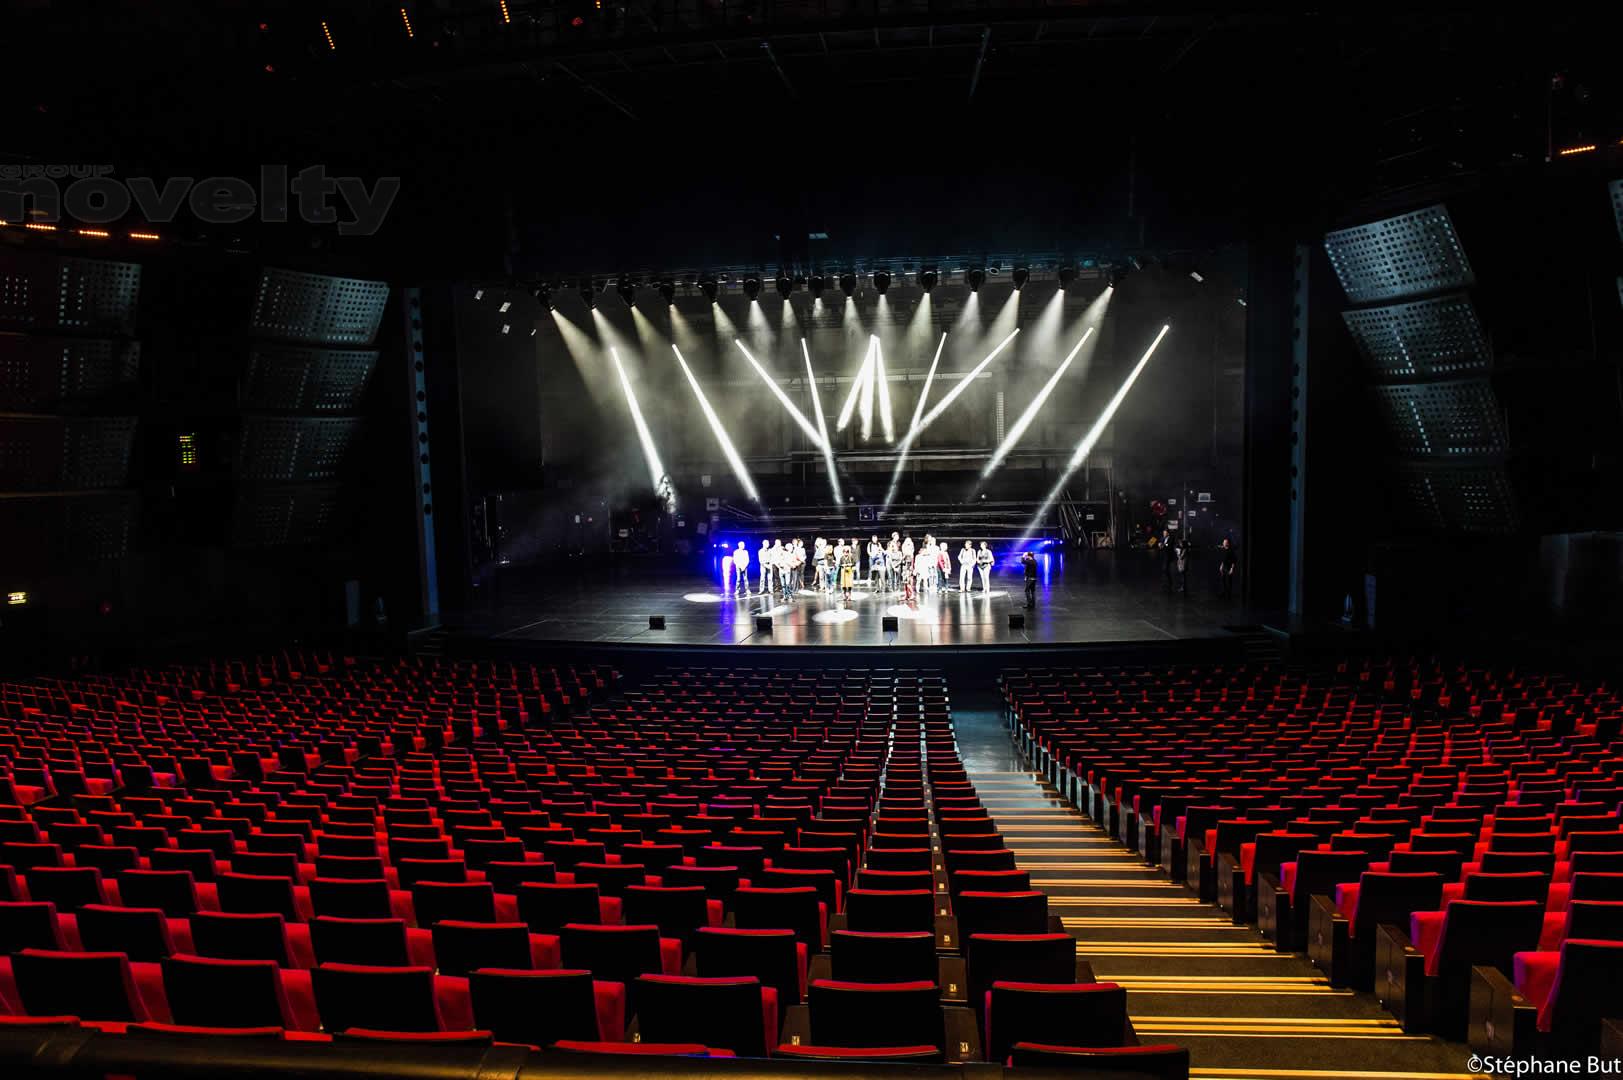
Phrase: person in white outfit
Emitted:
{"points": [[741, 564], [727, 573], [983, 561], [923, 570], [966, 567], [763, 565]]}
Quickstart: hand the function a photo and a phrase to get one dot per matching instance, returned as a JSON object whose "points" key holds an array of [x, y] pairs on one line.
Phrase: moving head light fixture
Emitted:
{"points": [[752, 288], [975, 279], [1021, 275], [881, 281], [707, 285], [543, 295], [848, 284], [786, 285], [667, 289], [627, 288], [588, 292], [814, 285], [927, 280]]}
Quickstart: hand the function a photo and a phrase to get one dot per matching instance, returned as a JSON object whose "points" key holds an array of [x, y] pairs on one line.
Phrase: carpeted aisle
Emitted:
{"points": [[1192, 976]]}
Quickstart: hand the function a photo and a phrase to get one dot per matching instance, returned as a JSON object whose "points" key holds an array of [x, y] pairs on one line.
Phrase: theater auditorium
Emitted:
{"points": [[901, 540]]}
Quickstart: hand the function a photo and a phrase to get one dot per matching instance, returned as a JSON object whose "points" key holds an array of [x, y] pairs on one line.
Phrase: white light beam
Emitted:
{"points": [[883, 385], [856, 390], [727, 448], [822, 425], [1085, 447], [1011, 439], [963, 383], [650, 453], [777, 391], [913, 429]]}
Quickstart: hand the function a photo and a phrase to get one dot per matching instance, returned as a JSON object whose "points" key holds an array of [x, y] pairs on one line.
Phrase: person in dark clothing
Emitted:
{"points": [[1169, 556], [1028, 563], [1228, 561], [1180, 552]]}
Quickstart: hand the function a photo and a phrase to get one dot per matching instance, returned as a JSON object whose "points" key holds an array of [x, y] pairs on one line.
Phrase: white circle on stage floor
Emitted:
{"points": [[903, 611], [703, 598], [989, 595], [781, 609], [834, 615], [807, 592]]}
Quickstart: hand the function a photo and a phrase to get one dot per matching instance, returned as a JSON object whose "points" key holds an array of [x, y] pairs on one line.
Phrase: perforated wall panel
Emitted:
{"points": [[1407, 255], [65, 454], [1425, 339], [1616, 188], [47, 292], [294, 450], [281, 515], [44, 531], [38, 372], [1452, 419], [291, 306], [294, 378], [1450, 498]]}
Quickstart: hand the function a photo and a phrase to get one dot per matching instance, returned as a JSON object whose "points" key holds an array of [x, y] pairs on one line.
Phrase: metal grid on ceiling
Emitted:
{"points": [[37, 371], [1422, 338], [1447, 498], [65, 454], [1451, 419], [316, 308], [294, 450], [296, 378], [292, 515], [69, 531], [1408, 255]]}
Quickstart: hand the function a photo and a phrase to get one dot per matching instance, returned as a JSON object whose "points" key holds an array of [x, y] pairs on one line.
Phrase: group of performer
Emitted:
{"points": [[783, 567]]}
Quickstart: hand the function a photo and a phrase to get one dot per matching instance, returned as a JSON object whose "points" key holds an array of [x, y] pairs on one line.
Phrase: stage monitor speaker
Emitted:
{"points": [[888, 624], [656, 622], [1017, 621], [763, 624]]}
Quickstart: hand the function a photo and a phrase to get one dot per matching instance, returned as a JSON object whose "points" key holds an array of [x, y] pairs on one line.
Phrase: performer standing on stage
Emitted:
{"points": [[923, 569], [848, 570], [893, 564], [1028, 563], [1228, 561], [966, 567], [983, 562], [763, 565], [775, 579], [800, 565], [727, 573], [741, 563], [876, 563], [943, 565]]}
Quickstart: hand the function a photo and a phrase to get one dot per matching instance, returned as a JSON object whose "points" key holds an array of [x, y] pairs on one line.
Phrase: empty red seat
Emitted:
{"points": [[1083, 1014], [867, 1015], [737, 1014], [543, 1007], [879, 956], [380, 998], [89, 985], [204, 992]]}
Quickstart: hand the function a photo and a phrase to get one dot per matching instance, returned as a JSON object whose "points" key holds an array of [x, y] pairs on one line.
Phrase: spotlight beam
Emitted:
{"points": [[856, 390], [913, 429], [963, 383], [783, 399], [1085, 447], [822, 426], [883, 385], [650, 453], [865, 399], [727, 449], [1011, 439]]}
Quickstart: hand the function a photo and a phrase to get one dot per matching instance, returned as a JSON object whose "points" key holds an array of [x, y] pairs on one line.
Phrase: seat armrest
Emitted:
{"points": [[946, 934], [796, 1027], [1400, 978], [822, 967], [961, 1033], [953, 978], [1501, 1021]]}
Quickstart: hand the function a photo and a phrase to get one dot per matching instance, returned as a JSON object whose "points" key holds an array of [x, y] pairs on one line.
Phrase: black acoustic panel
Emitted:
{"points": [[290, 306], [1427, 339], [1437, 497], [50, 292], [53, 453], [1452, 419], [42, 532], [286, 515], [299, 378], [294, 450], [1408, 255], [38, 372]]}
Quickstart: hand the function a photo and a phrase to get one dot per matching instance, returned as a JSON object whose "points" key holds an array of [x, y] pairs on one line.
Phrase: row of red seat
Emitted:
{"points": [[753, 865], [1414, 827]]}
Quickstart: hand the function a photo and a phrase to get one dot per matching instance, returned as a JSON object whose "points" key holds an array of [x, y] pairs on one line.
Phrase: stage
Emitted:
{"points": [[1082, 598]]}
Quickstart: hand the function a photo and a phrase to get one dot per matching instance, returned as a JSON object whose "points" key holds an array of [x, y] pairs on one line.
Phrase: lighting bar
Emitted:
{"points": [[99, 234], [727, 449], [1569, 151], [1085, 447], [963, 384], [822, 426], [777, 391], [506, 16], [1020, 425], [913, 429], [144, 236], [650, 453], [856, 390], [406, 19], [326, 33]]}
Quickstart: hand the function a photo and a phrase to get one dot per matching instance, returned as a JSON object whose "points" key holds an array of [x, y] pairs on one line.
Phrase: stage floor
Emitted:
{"points": [[1082, 598]]}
